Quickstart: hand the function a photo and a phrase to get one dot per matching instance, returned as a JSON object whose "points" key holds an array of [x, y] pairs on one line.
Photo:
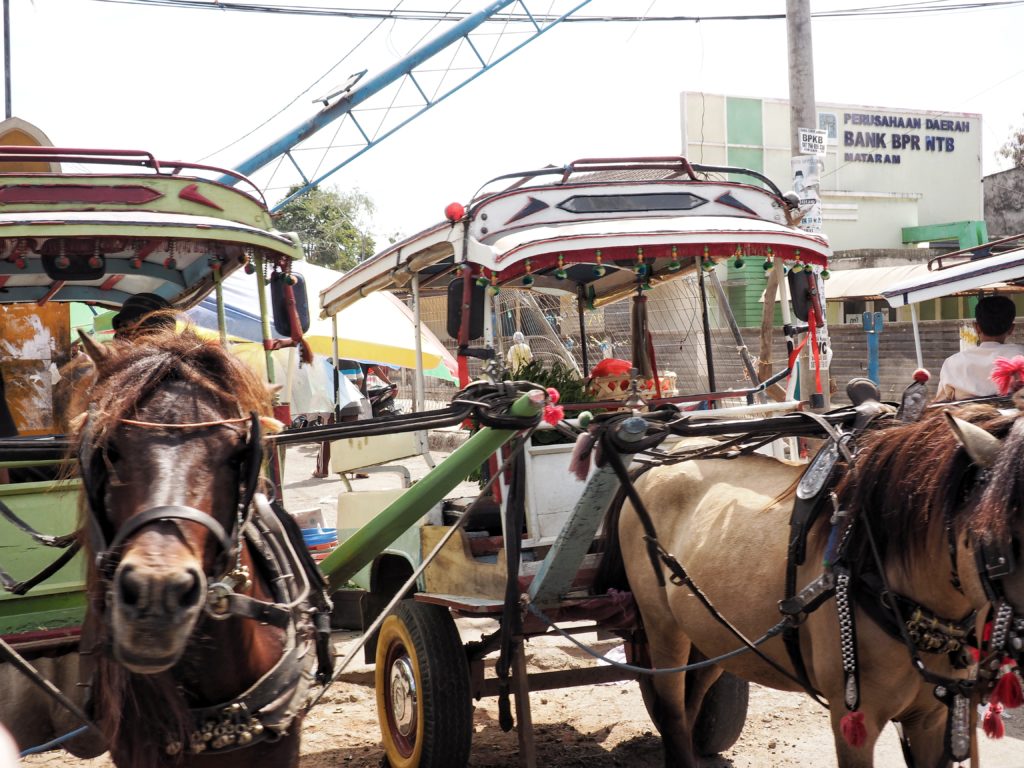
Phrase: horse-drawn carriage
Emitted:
{"points": [[126, 231], [207, 612]]}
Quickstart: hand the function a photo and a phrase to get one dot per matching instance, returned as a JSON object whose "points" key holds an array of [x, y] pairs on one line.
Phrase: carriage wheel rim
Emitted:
{"points": [[402, 698]]}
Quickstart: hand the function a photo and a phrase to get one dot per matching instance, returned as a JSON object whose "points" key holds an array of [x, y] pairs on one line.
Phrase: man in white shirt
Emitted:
{"points": [[967, 373]]}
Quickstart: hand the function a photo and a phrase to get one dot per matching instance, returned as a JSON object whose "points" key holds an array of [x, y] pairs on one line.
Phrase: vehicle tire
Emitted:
{"points": [[722, 715], [422, 683]]}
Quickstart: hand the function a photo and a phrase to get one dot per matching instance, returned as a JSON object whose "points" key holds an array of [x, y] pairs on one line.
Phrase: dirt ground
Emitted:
{"points": [[595, 726]]}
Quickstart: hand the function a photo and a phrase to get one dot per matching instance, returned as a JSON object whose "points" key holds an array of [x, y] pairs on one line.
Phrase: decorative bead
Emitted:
{"points": [[825, 274], [766, 265]]}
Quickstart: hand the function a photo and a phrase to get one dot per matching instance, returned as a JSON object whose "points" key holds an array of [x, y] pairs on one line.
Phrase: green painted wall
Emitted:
{"points": [[743, 121], [745, 137]]}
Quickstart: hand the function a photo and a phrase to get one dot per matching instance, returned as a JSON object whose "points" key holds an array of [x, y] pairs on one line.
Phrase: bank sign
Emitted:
{"points": [[887, 139]]}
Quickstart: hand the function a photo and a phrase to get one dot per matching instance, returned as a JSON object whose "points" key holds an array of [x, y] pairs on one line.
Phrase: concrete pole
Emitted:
{"points": [[802, 114]]}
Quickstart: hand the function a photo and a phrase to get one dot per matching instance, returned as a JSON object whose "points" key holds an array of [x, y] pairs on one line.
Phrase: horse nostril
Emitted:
{"points": [[184, 589], [130, 586]]}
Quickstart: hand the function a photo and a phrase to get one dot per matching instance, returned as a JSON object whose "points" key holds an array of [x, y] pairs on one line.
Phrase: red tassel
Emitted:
{"points": [[1007, 374], [1008, 691], [853, 728], [993, 722], [553, 414]]}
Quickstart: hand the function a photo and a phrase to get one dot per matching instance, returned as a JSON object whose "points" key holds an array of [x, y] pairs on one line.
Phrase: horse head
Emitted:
{"points": [[995, 523], [169, 455]]}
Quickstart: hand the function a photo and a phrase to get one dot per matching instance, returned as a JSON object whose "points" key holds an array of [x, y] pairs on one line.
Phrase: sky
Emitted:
{"points": [[187, 83]]}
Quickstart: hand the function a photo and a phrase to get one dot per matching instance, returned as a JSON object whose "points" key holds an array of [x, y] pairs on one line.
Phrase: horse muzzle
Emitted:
{"points": [[153, 610]]}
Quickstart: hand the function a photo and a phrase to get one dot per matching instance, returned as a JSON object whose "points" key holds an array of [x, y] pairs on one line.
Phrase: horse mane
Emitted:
{"points": [[133, 369], [909, 481], [124, 378]]}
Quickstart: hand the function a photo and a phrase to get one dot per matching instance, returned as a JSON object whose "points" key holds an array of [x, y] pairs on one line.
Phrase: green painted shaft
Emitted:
{"points": [[370, 540]]}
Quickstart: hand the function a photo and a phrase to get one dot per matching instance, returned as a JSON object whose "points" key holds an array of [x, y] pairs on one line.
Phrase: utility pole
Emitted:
{"points": [[7, 57], [803, 115]]}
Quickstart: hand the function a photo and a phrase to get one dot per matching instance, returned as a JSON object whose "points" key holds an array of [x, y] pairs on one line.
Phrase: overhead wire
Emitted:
{"points": [[900, 9], [301, 93]]}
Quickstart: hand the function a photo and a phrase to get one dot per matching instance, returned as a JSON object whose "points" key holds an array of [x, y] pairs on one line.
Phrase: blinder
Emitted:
{"points": [[94, 477]]}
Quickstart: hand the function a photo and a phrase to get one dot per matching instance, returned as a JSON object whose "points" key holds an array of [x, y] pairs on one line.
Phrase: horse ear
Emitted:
{"points": [[980, 444], [97, 352]]}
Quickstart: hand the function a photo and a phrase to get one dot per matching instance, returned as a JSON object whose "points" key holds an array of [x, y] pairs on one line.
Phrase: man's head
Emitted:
{"points": [[518, 338], [137, 315], [994, 316]]}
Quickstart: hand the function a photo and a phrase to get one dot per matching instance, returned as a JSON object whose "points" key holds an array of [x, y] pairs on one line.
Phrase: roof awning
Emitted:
{"points": [[867, 283]]}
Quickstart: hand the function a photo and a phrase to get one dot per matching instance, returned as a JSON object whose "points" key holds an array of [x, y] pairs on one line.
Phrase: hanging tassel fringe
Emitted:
{"points": [[993, 722], [853, 728], [1008, 690], [579, 462]]}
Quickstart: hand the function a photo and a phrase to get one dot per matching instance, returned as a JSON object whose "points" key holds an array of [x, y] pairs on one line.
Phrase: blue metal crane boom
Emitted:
{"points": [[361, 91]]}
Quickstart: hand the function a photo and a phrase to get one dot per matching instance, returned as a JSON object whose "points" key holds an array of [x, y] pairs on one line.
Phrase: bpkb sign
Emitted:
{"points": [[812, 141]]}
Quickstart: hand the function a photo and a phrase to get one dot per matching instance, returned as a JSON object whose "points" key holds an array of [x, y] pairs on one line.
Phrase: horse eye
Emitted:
{"points": [[113, 454]]}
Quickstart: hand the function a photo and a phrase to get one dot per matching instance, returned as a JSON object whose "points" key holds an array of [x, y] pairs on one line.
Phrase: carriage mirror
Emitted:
{"points": [[279, 302], [799, 294], [981, 445], [476, 309]]}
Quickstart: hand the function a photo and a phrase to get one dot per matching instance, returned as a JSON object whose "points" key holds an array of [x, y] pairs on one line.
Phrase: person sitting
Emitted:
{"points": [[968, 373], [142, 313]]}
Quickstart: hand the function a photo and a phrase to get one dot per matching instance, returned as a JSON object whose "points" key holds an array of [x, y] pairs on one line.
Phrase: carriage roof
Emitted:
{"points": [[149, 226], [557, 224], [995, 266]]}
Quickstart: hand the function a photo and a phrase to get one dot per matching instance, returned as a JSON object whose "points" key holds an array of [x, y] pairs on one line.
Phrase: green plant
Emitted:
{"points": [[570, 385]]}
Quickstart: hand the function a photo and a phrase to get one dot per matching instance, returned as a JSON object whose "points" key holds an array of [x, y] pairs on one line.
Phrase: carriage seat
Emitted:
{"points": [[379, 454]]}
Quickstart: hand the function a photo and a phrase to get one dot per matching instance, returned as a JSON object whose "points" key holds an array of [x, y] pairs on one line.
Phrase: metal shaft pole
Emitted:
{"points": [[726, 309], [709, 355], [581, 304]]}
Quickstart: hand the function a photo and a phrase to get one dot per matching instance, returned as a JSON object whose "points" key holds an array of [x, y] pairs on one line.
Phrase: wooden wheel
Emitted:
{"points": [[422, 683]]}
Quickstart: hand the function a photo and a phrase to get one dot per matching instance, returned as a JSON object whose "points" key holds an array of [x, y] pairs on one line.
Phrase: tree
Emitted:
{"points": [[331, 224], [1013, 149]]}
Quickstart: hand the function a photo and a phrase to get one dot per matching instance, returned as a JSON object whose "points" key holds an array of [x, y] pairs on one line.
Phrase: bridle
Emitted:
{"points": [[94, 479], [299, 604]]}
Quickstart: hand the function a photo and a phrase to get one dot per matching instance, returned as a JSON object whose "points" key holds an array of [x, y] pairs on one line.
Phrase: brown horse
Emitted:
{"points": [[200, 623], [914, 495]]}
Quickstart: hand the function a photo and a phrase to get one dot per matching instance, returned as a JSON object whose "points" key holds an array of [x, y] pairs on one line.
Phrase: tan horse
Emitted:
{"points": [[727, 523]]}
